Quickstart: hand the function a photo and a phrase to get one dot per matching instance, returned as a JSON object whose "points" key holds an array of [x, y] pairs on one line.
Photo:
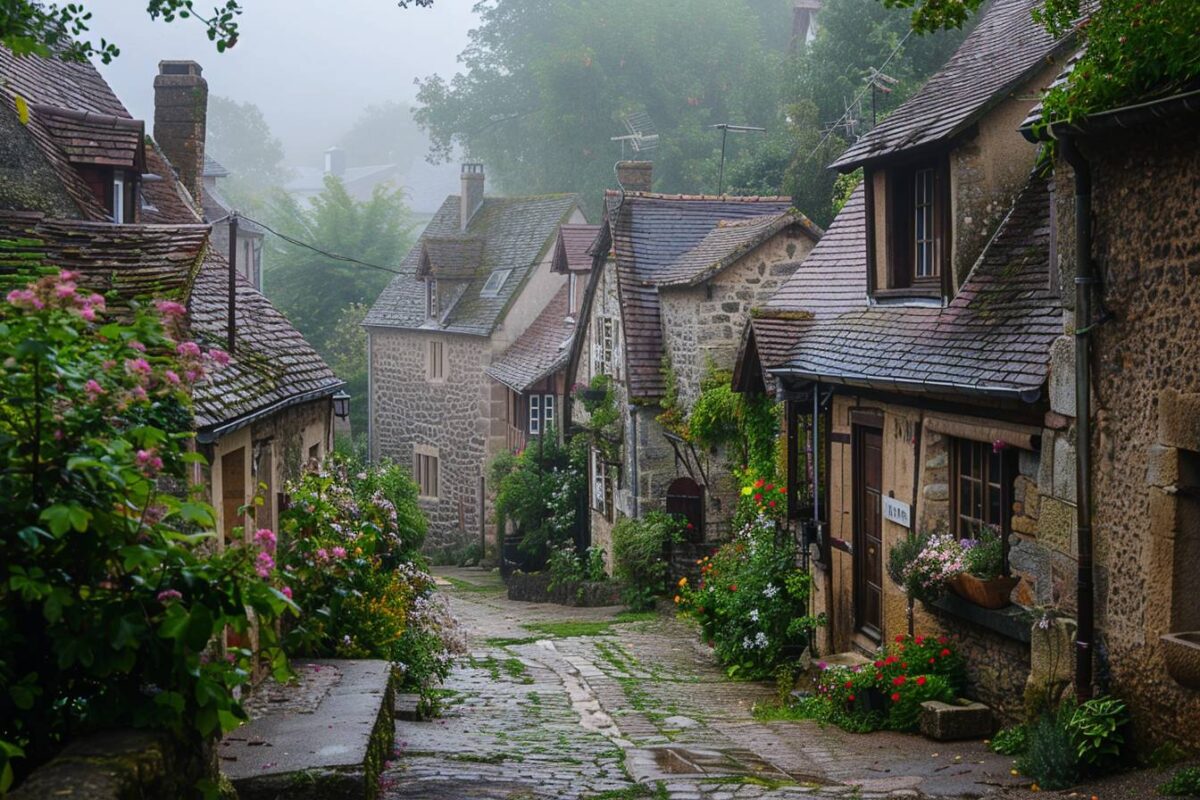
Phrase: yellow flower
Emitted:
{"points": [[683, 582], [746, 490]]}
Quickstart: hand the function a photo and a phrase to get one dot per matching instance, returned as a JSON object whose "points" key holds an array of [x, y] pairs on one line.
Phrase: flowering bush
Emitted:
{"points": [[347, 548], [888, 692], [923, 564], [114, 595], [760, 497], [751, 601]]}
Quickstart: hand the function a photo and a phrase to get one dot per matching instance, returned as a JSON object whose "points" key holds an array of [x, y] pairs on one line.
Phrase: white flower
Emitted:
{"points": [[760, 639], [754, 615], [747, 644], [770, 591]]}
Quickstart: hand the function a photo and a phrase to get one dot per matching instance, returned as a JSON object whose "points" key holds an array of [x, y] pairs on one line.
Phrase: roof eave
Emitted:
{"points": [[208, 434], [1026, 395], [1130, 116]]}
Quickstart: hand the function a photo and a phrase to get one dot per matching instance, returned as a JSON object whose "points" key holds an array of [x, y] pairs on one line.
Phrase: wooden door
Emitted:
{"points": [[868, 531]]}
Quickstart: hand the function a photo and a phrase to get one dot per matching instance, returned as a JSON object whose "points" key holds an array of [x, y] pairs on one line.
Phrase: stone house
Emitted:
{"points": [[477, 278], [675, 279], [533, 369], [1128, 216], [919, 353], [83, 188]]}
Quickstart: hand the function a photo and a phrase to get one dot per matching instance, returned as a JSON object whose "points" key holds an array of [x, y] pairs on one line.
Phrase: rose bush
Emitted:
{"points": [[114, 594]]}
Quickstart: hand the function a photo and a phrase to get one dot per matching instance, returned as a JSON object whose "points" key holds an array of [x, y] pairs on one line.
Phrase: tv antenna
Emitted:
{"points": [[879, 82], [641, 136], [725, 128]]}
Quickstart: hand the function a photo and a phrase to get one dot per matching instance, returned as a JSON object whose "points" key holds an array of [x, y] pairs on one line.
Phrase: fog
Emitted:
{"points": [[310, 66]]}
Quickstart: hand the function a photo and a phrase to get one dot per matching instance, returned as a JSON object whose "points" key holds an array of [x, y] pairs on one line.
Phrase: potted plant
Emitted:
{"points": [[982, 580]]}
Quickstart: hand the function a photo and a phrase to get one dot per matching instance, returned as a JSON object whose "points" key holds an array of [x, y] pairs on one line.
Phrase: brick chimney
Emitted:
{"points": [[335, 162], [472, 192], [180, 115], [635, 176]]}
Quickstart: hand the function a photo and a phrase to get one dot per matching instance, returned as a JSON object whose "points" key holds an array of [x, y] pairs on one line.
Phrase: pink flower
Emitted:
{"points": [[322, 554], [169, 594], [265, 537], [95, 300], [137, 366], [169, 308], [93, 389], [64, 290], [149, 461], [339, 552], [88, 313], [172, 377], [188, 349], [999, 446], [286, 591], [218, 356], [264, 564], [24, 297], [136, 345], [68, 275]]}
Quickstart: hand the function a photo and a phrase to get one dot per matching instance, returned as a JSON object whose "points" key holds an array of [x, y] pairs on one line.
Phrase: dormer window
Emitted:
{"points": [[432, 306], [495, 282], [118, 196], [910, 229]]}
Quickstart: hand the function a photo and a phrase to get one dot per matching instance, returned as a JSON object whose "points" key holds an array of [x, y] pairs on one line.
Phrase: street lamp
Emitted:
{"points": [[341, 405]]}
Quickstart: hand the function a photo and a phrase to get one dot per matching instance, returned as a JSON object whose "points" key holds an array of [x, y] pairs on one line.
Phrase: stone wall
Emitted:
{"points": [[450, 415], [1146, 211]]}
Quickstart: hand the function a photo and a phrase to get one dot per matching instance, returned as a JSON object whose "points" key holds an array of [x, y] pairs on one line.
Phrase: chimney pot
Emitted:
{"points": [[471, 197], [335, 162], [635, 176], [180, 118]]}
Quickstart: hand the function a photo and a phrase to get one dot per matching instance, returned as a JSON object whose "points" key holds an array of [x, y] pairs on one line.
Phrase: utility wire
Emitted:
{"points": [[315, 249], [858, 98]]}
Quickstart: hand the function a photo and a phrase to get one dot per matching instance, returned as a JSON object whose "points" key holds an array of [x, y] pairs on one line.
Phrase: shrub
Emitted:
{"points": [[983, 556], [594, 566], [1051, 755], [564, 566], [1184, 783], [1096, 728], [751, 601], [1010, 741], [538, 491], [639, 550], [114, 593]]}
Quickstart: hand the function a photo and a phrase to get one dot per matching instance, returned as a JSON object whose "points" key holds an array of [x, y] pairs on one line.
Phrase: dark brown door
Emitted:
{"points": [[868, 531]]}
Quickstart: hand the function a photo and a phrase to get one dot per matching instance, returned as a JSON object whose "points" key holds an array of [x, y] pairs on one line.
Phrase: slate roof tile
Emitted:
{"points": [[451, 257], [573, 251], [90, 138], [1003, 52], [541, 350], [516, 231]]}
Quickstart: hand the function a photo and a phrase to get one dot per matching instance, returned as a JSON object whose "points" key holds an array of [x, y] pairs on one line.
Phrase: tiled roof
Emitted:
{"points": [[726, 243], [540, 351], [272, 365], [90, 138], [451, 257], [993, 337], [650, 233], [573, 251], [165, 201], [517, 233], [1003, 52], [214, 168]]}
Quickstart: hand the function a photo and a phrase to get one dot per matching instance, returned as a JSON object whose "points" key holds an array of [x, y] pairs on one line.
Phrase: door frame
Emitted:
{"points": [[860, 424]]}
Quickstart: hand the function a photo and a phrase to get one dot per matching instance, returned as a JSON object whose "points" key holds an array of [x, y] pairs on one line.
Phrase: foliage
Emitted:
{"points": [[32, 26], [238, 136], [924, 563], [888, 692], [639, 547], [567, 567], [114, 595], [345, 351], [1051, 755], [1096, 728], [538, 491], [759, 499], [1010, 741], [603, 423], [983, 556], [313, 289], [749, 424], [349, 545], [751, 601], [383, 134], [1184, 783]]}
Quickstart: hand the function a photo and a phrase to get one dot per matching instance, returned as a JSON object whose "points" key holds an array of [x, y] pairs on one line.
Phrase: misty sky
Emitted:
{"points": [[310, 66]]}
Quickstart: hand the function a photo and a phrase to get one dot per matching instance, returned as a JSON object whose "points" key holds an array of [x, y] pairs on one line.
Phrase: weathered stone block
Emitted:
{"points": [[1045, 474], [1056, 526], [1179, 419], [937, 462], [937, 491], [1052, 651], [945, 722], [1056, 422], [1025, 524], [1162, 465], [1064, 468], [1062, 376]]}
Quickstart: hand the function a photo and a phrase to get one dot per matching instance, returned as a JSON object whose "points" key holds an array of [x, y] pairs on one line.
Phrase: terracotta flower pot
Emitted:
{"points": [[991, 593]]}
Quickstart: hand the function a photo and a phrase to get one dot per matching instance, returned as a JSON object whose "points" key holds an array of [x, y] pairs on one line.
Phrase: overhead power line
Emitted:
{"points": [[315, 249]]}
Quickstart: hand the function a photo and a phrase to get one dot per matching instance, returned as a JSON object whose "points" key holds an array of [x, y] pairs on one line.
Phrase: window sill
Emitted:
{"points": [[1011, 622], [909, 293]]}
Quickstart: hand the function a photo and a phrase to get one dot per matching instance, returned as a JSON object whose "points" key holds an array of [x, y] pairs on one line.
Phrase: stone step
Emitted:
{"points": [[327, 742]]}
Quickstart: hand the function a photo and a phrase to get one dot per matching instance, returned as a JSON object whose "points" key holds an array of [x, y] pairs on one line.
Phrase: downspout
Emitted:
{"points": [[633, 462], [1085, 278]]}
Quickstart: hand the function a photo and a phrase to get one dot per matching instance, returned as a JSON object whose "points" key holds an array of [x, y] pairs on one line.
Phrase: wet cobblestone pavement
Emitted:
{"points": [[592, 704]]}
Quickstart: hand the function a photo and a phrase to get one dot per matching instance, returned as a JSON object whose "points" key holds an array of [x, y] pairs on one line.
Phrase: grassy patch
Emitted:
{"points": [[775, 712], [636, 616], [566, 630], [504, 641], [516, 670], [491, 758]]}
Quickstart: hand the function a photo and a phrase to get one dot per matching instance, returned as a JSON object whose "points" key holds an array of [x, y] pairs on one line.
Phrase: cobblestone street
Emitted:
{"points": [[558, 702]]}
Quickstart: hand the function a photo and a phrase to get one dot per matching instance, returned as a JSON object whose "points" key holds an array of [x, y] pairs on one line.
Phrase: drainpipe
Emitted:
{"points": [[633, 465], [1085, 278]]}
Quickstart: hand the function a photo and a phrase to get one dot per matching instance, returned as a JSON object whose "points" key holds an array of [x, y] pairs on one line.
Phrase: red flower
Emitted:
{"points": [[945, 652], [904, 665], [878, 676], [901, 648], [851, 698], [848, 684], [690, 526], [921, 681], [879, 664], [770, 486], [895, 697], [890, 660], [942, 640], [933, 661], [899, 638], [771, 504], [899, 680], [733, 587], [758, 484], [919, 640], [758, 497]]}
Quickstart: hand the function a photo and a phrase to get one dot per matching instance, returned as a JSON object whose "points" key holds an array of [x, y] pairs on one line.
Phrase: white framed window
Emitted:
{"points": [[436, 361], [602, 485], [495, 282], [571, 279], [605, 347], [923, 224], [118, 197], [535, 414], [432, 307], [426, 471], [548, 411]]}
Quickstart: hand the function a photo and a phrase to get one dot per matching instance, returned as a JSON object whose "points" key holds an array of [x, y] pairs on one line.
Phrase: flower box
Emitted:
{"points": [[992, 593]]}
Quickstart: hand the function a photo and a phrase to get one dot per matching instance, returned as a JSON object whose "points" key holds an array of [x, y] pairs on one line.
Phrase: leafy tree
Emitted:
{"points": [[546, 84], [346, 353], [32, 26], [239, 137], [383, 134]]}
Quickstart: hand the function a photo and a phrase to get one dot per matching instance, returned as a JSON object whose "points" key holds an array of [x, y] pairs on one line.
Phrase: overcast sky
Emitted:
{"points": [[310, 66]]}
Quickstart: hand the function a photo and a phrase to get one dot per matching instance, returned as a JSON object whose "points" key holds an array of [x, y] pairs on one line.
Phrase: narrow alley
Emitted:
{"points": [[560, 702]]}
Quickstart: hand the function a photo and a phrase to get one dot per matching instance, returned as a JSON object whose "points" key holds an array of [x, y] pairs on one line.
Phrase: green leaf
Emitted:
{"points": [[22, 696], [172, 700], [199, 628]]}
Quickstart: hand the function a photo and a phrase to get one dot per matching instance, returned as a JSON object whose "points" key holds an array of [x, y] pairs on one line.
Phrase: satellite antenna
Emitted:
{"points": [[725, 129], [641, 136]]}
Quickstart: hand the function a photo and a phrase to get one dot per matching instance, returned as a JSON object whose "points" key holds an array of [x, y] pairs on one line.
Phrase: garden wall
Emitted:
{"points": [[534, 587]]}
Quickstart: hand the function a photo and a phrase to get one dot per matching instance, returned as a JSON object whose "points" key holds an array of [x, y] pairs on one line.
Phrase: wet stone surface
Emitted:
{"points": [[638, 709]]}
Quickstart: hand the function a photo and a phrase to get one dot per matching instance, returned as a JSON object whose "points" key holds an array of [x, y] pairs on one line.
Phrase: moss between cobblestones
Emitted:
{"points": [[567, 630]]}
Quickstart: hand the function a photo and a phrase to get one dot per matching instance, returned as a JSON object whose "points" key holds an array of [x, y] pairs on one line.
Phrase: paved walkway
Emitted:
{"points": [[548, 706]]}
